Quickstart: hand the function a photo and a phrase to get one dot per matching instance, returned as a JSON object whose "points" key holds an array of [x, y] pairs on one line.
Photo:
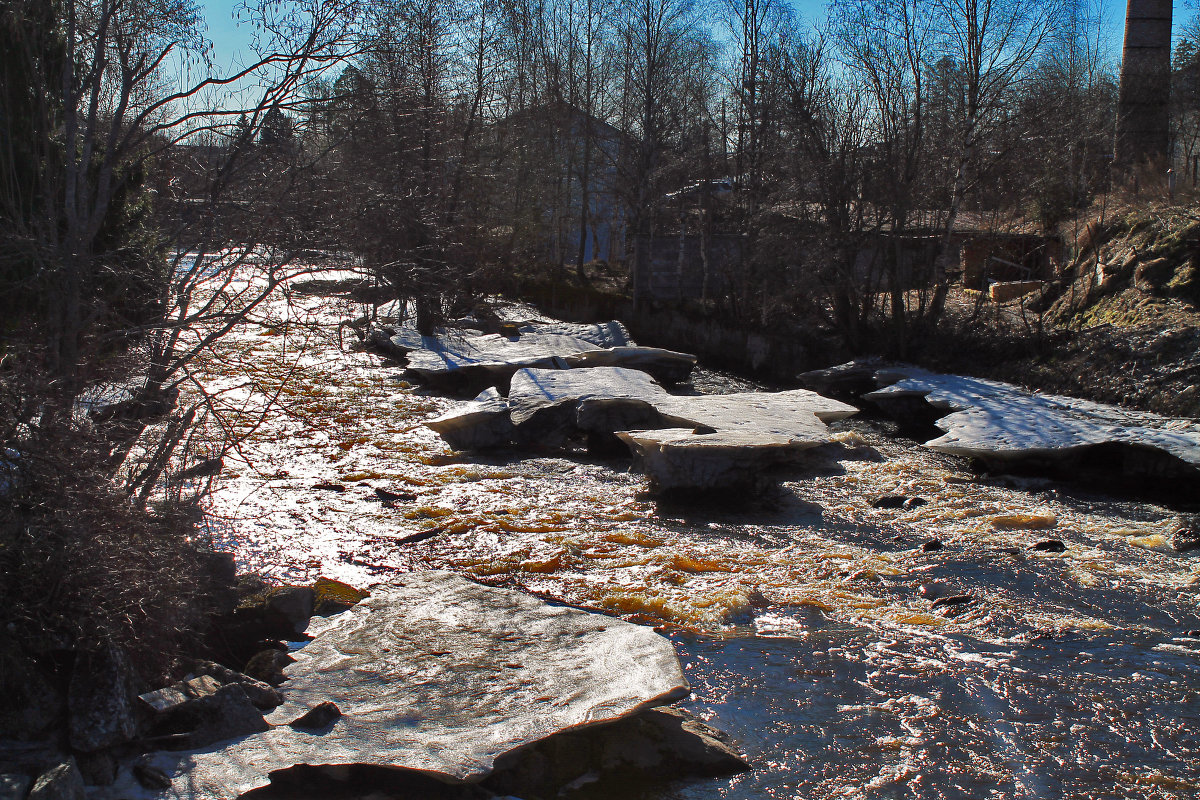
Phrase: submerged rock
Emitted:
{"points": [[440, 675]]}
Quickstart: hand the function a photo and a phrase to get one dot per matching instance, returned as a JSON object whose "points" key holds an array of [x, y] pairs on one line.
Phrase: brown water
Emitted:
{"points": [[799, 615]]}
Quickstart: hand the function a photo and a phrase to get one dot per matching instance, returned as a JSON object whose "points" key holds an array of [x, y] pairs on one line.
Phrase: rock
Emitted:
{"points": [[953, 600], [32, 706], [1184, 539], [692, 442], [388, 496], [100, 700], [267, 666], [1153, 275], [933, 590], [14, 786], [1048, 546], [480, 424], [97, 769], [1001, 424], [915, 502], [1024, 522], [888, 501], [932, 545], [262, 694], [441, 675], [318, 716], [227, 714], [219, 571], [291, 607], [150, 776], [165, 700], [656, 745], [199, 686], [61, 782], [470, 363], [333, 597]]}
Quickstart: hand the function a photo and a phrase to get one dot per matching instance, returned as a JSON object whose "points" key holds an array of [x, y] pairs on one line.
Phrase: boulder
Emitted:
{"points": [[267, 666], [440, 675], [226, 714], [656, 745], [61, 782], [1000, 424], [480, 424], [333, 597], [688, 442], [100, 710], [290, 607], [262, 694]]}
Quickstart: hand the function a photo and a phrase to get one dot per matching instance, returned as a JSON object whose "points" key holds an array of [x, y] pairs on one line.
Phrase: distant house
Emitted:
{"points": [[561, 155]]}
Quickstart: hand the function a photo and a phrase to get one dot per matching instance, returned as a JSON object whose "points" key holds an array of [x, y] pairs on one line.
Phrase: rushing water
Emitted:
{"points": [[805, 618]]}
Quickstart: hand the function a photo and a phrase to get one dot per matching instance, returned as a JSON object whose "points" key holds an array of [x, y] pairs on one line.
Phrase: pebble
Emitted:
{"points": [[932, 545], [318, 716], [1048, 546]]}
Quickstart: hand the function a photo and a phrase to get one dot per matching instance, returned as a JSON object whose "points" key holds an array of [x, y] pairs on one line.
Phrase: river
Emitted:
{"points": [[804, 617]]}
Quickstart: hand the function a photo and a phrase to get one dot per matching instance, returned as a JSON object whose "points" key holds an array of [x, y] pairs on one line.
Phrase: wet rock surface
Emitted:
{"points": [[440, 675]]}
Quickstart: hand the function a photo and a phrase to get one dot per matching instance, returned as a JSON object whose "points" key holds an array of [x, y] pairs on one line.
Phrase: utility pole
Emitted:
{"points": [[1144, 102]]}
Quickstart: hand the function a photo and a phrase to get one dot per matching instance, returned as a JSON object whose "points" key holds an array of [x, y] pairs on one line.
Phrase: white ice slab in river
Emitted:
{"points": [[441, 675], [1001, 421]]}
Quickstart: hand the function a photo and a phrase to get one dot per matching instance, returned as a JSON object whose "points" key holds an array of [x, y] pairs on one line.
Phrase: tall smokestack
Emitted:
{"points": [[1144, 102]]}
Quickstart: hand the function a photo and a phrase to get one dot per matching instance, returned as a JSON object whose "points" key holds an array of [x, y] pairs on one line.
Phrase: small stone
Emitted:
{"points": [[932, 545], [163, 701], [388, 496], [318, 717], [1194, 634], [915, 502], [1048, 546], [149, 776], [199, 686], [61, 782]]}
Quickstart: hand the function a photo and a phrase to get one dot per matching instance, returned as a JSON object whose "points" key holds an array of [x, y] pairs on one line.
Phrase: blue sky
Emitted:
{"points": [[230, 39]]}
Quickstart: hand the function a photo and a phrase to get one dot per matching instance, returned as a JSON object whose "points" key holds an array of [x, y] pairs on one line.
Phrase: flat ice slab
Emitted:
{"points": [[438, 674], [469, 361], [695, 442], [999, 421]]}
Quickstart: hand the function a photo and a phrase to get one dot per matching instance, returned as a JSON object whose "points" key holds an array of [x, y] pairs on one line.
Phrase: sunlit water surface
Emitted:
{"points": [[799, 615]]}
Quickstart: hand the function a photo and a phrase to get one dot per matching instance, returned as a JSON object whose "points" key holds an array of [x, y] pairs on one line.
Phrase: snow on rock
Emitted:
{"points": [[698, 441], [441, 675], [1001, 422]]}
